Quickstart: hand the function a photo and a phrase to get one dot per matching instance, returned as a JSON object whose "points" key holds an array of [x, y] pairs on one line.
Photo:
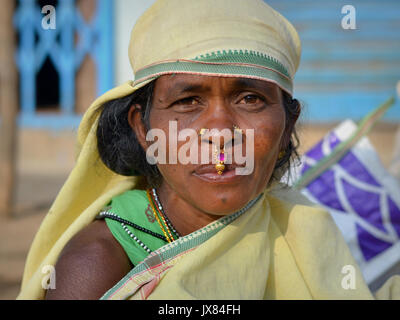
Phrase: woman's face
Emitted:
{"points": [[208, 102]]}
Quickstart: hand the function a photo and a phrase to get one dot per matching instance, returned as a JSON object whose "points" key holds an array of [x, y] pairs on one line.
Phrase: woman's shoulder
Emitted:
{"points": [[91, 263], [133, 223], [318, 248], [289, 207], [285, 195]]}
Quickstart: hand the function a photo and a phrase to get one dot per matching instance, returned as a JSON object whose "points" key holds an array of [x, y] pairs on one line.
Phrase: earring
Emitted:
{"points": [[281, 154], [220, 159]]}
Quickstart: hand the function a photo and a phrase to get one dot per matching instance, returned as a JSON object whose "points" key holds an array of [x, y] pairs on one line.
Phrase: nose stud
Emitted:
{"points": [[236, 129], [202, 131]]}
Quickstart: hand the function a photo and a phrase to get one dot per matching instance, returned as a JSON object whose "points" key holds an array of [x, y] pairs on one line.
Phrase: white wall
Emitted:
{"points": [[126, 14]]}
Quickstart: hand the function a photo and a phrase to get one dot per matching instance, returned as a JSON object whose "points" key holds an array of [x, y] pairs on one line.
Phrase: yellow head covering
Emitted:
{"points": [[210, 37], [229, 38]]}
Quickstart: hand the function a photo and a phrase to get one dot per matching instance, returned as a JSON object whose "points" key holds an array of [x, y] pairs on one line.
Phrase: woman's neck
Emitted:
{"points": [[184, 216]]}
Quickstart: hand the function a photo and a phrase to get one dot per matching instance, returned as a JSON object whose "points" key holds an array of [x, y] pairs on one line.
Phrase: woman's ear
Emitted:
{"points": [[137, 125]]}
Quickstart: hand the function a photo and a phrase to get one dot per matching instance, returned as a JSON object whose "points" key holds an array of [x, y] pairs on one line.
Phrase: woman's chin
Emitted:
{"points": [[220, 195], [223, 203]]}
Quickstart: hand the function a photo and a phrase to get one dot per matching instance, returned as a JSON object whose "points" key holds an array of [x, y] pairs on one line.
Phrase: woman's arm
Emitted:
{"points": [[91, 263]]}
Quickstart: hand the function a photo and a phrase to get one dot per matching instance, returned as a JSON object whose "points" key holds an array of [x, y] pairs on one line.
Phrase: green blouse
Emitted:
{"points": [[133, 208]]}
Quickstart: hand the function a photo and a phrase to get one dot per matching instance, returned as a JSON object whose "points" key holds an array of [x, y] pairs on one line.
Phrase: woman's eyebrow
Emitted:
{"points": [[183, 87], [250, 83]]}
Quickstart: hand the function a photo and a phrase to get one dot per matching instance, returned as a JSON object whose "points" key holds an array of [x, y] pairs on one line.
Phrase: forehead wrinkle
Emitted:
{"points": [[251, 83], [185, 86], [198, 85]]}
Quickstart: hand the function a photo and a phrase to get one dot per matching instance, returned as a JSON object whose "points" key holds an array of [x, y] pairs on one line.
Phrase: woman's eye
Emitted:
{"points": [[251, 99], [187, 101], [187, 104]]}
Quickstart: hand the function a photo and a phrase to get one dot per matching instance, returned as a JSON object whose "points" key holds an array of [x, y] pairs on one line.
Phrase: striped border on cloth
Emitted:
{"points": [[232, 63]]}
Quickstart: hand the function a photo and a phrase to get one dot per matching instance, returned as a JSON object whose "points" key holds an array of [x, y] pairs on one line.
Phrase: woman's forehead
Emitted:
{"points": [[191, 82]]}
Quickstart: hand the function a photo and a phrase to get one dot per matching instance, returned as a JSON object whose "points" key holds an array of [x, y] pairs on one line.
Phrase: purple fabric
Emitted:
{"points": [[321, 189], [394, 215], [353, 167], [316, 152], [366, 204], [333, 141], [369, 245]]}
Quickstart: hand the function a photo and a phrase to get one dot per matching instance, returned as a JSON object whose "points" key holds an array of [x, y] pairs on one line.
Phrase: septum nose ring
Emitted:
{"points": [[220, 155], [236, 129], [220, 160]]}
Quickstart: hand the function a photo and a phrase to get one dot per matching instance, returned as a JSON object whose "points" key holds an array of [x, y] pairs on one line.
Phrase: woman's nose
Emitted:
{"points": [[218, 121], [218, 137]]}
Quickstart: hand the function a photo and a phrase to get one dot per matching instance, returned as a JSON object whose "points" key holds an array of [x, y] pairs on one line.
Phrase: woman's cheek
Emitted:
{"points": [[266, 146]]}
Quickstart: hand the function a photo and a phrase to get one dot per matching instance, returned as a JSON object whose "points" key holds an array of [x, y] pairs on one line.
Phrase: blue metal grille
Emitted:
{"points": [[37, 44]]}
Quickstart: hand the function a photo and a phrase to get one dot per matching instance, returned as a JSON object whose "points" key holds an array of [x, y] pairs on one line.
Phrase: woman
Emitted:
{"points": [[193, 230]]}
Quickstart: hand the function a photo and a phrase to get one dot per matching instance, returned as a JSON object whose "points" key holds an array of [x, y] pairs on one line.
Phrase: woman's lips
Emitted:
{"points": [[210, 174]]}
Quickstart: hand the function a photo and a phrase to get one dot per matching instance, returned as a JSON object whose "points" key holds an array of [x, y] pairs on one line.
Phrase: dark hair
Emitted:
{"points": [[120, 151], [290, 154], [118, 146]]}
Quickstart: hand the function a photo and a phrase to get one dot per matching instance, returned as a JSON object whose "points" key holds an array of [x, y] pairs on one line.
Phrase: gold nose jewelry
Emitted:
{"points": [[220, 159], [236, 129], [220, 155], [202, 131]]}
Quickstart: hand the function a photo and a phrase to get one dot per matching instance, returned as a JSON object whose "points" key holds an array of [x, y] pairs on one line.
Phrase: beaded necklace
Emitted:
{"points": [[157, 213], [169, 223], [115, 217]]}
